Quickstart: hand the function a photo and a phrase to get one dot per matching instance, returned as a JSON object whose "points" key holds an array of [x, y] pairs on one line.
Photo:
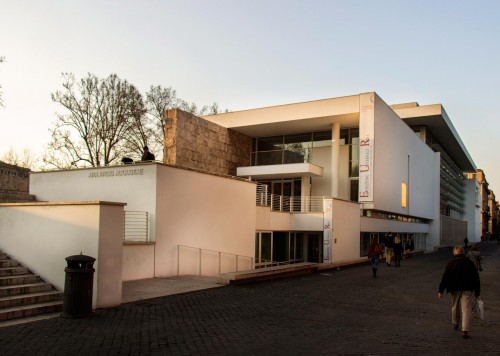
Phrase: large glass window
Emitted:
{"points": [[287, 149]]}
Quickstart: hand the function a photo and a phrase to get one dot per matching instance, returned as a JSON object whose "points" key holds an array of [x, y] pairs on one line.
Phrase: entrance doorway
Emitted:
{"points": [[280, 247], [314, 247]]}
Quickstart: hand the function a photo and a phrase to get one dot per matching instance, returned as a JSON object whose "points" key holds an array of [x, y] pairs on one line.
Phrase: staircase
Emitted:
{"points": [[23, 294]]}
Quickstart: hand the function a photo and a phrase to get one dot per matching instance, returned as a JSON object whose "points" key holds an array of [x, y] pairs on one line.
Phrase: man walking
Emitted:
{"points": [[461, 279]]}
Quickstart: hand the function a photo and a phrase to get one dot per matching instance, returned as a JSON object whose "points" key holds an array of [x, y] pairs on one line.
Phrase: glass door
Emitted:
{"points": [[263, 249]]}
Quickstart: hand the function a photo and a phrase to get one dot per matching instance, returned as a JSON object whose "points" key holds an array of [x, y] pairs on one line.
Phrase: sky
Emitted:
{"points": [[249, 54]]}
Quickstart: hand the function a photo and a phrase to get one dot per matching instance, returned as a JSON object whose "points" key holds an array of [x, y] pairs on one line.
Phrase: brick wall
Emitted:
{"points": [[14, 183], [193, 142]]}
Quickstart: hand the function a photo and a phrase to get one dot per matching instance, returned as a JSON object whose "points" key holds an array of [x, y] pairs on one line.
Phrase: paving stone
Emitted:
{"points": [[345, 312]]}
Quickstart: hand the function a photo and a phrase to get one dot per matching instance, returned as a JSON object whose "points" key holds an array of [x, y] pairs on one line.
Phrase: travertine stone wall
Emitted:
{"points": [[193, 142], [14, 183]]}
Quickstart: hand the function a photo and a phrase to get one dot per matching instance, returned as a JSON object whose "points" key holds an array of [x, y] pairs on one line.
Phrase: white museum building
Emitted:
{"points": [[304, 182]]}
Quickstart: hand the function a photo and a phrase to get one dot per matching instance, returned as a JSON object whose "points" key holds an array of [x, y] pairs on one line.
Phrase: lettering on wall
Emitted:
{"points": [[366, 148], [117, 173]]}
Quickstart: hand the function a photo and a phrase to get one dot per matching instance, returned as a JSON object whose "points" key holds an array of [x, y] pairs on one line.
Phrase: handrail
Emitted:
{"points": [[298, 204], [270, 263], [136, 226], [220, 253]]}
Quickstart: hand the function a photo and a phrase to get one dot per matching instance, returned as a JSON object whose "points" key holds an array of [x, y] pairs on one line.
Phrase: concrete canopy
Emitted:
{"points": [[435, 118]]}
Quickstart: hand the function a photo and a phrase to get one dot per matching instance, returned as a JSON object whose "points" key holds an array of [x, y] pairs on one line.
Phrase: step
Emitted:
{"points": [[19, 279], [30, 310], [8, 263], [10, 290], [267, 273], [32, 298], [11, 271]]}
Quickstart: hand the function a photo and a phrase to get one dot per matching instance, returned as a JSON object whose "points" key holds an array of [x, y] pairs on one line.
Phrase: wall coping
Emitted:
{"points": [[135, 165], [90, 202]]}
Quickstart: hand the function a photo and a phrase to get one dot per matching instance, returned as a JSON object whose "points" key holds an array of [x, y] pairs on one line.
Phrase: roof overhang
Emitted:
{"points": [[318, 115], [435, 118], [280, 171]]}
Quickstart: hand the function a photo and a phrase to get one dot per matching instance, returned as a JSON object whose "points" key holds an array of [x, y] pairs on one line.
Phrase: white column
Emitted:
{"points": [[335, 159]]}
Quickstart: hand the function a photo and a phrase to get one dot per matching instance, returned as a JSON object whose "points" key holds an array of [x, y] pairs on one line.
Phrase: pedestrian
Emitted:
{"points": [[398, 251], [466, 241], [147, 156], [461, 279], [374, 252], [389, 244], [410, 246], [475, 256]]}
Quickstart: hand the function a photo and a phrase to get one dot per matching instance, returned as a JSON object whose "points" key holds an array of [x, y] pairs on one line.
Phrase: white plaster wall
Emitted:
{"points": [[42, 235], [307, 222], [134, 185], [382, 225], [267, 220], [394, 141], [321, 186], [138, 261], [434, 237], [346, 224], [472, 210], [203, 211], [110, 256]]}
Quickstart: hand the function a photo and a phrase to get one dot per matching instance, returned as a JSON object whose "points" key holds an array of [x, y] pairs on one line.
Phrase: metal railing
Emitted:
{"points": [[264, 263], [301, 204], [136, 226], [211, 262]]}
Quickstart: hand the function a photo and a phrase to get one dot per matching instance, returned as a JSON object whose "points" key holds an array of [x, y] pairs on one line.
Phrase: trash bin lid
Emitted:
{"points": [[80, 258]]}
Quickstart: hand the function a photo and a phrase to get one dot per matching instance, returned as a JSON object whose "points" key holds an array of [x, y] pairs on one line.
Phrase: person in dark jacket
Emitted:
{"points": [[461, 279], [398, 251], [147, 155]]}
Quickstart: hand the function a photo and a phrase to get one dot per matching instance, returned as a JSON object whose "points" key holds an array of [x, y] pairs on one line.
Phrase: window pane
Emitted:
{"points": [[322, 139], [304, 139], [268, 158], [354, 169], [265, 246], [353, 135], [354, 189], [269, 143], [344, 136], [297, 156]]}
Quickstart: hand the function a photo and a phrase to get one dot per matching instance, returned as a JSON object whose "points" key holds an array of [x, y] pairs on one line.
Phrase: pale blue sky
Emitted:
{"points": [[247, 54]]}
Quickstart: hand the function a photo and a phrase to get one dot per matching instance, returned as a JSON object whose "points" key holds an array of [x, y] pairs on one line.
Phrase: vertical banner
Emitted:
{"points": [[327, 230], [366, 146]]}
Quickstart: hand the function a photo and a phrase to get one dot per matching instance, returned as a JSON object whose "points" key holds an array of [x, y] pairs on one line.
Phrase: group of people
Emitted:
{"points": [[460, 278], [147, 156], [394, 248]]}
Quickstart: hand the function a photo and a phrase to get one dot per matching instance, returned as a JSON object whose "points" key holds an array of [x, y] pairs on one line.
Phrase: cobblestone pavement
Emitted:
{"points": [[341, 312]]}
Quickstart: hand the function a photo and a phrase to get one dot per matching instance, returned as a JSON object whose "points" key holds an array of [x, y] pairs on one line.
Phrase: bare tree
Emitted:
{"points": [[27, 159], [158, 101], [2, 59], [100, 113]]}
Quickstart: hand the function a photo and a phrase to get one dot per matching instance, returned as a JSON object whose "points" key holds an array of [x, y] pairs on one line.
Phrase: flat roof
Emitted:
{"points": [[436, 119], [319, 115]]}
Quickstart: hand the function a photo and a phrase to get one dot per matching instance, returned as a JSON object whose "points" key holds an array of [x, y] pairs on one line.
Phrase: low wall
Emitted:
{"points": [[138, 261], [41, 235]]}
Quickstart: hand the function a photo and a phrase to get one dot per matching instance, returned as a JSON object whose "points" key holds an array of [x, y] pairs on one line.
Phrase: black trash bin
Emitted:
{"points": [[78, 286]]}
